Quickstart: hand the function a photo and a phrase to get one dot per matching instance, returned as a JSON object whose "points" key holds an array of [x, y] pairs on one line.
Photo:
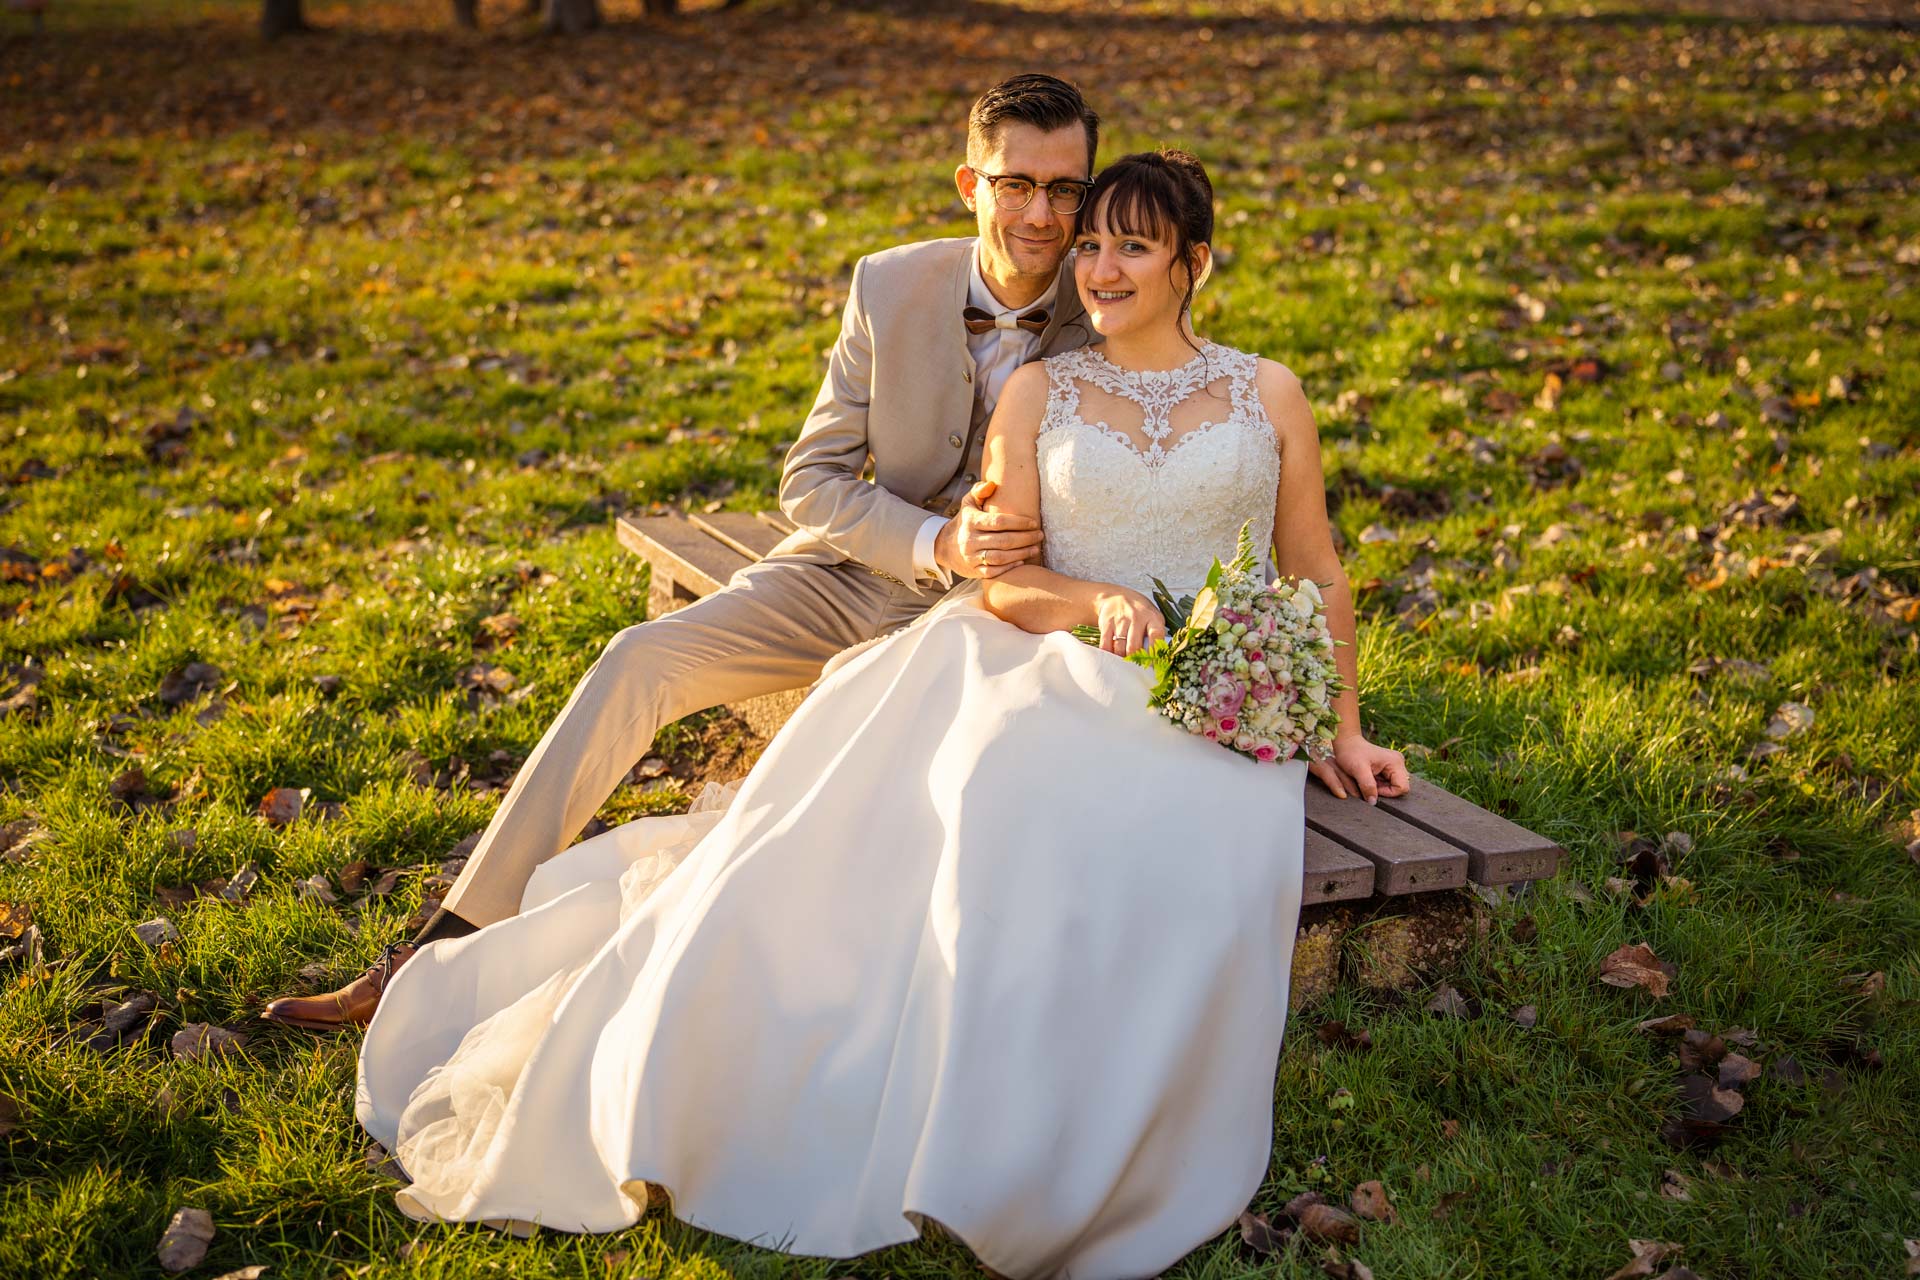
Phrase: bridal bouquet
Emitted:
{"points": [[1245, 663]]}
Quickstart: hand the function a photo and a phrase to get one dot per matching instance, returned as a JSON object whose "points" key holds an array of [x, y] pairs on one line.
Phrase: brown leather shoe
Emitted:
{"points": [[350, 1006]]}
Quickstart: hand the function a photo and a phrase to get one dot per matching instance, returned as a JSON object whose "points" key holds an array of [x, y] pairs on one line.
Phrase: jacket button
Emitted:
{"points": [[966, 375], [954, 441], [969, 477]]}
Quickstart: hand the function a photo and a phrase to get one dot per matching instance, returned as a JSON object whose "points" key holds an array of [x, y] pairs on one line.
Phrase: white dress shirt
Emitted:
{"points": [[996, 354]]}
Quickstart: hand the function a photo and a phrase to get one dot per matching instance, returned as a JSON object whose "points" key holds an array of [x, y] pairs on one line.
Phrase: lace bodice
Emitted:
{"points": [[1149, 475]]}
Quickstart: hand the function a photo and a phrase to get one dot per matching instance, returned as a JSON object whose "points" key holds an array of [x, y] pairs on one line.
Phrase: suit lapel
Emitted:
{"points": [[957, 291]]}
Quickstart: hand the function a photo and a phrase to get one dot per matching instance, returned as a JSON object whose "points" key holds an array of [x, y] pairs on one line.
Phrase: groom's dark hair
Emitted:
{"points": [[1043, 101]]}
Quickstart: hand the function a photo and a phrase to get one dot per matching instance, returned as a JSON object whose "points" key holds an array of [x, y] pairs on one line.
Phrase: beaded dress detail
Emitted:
{"points": [[1150, 474]]}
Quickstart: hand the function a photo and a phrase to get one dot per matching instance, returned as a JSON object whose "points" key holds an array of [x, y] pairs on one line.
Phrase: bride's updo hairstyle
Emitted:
{"points": [[1162, 194]]}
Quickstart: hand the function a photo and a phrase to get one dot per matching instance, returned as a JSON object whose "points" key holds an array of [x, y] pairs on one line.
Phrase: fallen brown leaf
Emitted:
{"points": [[1635, 965], [282, 805], [1329, 1225], [156, 932], [1700, 1049], [184, 1243], [198, 1040], [1337, 1035], [1670, 1025], [1260, 1236], [1647, 1254], [1736, 1071], [1370, 1201]]}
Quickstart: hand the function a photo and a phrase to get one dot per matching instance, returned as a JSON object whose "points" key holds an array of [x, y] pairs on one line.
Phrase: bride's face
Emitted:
{"points": [[1128, 282]]}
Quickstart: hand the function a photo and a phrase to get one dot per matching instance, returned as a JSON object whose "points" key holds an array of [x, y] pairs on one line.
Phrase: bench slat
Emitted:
{"points": [[1498, 851], [1406, 859], [745, 532], [1332, 872], [688, 563], [778, 519]]}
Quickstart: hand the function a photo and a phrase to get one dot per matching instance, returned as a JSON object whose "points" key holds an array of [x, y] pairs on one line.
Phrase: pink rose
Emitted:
{"points": [[1265, 752], [1227, 725]]}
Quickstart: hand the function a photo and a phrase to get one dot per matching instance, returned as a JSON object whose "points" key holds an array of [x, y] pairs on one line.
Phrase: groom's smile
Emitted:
{"points": [[1021, 248]]}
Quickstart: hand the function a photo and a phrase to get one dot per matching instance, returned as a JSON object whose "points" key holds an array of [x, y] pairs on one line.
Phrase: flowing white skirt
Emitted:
{"points": [[979, 939]]}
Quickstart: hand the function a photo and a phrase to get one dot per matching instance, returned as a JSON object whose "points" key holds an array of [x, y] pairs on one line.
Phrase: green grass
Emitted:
{"points": [[430, 306]]}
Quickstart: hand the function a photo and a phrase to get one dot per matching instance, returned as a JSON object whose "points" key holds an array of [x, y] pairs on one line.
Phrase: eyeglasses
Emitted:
{"points": [[1011, 192]]}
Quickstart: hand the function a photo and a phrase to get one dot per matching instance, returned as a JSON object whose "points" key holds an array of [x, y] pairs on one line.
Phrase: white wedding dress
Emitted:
{"points": [[979, 939]]}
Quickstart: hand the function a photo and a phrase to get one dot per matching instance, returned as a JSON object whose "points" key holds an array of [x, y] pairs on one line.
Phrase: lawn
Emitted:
{"points": [[325, 366]]}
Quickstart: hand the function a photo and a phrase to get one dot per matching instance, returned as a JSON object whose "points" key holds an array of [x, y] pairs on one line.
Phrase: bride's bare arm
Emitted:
{"points": [[1029, 596], [1302, 537]]}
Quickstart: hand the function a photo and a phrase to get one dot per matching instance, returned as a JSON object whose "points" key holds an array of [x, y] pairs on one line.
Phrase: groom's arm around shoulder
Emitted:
{"points": [[821, 484], [1300, 527]]}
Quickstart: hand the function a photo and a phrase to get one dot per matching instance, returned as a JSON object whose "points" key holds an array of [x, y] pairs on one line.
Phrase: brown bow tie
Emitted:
{"points": [[978, 321]]}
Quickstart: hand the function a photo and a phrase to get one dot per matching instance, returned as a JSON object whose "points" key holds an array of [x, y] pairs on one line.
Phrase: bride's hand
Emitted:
{"points": [[1128, 620], [1360, 766]]}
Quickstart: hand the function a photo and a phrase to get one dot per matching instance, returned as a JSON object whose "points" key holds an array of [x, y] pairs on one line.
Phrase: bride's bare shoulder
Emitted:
{"points": [[1023, 401], [1275, 380]]}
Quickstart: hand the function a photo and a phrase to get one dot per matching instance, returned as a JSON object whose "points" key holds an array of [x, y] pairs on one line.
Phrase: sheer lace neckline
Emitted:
{"points": [[1156, 393], [1175, 374]]}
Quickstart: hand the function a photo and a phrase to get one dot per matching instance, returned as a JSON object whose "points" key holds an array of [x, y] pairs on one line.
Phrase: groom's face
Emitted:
{"points": [[1022, 248]]}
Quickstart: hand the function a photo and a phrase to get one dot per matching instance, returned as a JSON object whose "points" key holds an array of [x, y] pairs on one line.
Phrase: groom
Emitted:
{"points": [[931, 332]]}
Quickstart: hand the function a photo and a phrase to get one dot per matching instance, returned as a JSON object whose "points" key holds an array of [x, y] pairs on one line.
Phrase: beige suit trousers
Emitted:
{"points": [[773, 627]]}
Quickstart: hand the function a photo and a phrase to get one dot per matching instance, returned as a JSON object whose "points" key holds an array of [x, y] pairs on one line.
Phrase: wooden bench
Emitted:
{"points": [[1425, 840]]}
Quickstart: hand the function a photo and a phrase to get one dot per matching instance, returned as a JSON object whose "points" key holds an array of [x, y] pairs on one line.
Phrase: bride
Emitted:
{"points": [[980, 939]]}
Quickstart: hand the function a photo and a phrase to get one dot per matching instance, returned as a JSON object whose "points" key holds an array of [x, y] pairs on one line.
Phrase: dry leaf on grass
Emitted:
{"points": [[1370, 1201], [1647, 1254], [1790, 718], [198, 1040], [282, 805], [188, 683], [1329, 1224], [1337, 1035], [1346, 1269], [1260, 1236], [156, 932], [184, 1244], [1635, 965], [1672, 1024]]}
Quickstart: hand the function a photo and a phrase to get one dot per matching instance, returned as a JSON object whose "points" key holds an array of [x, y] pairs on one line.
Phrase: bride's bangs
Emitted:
{"points": [[1132, 200]]}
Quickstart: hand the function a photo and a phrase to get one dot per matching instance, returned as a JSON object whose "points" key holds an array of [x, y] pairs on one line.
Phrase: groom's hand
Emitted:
{"points": [[978, 543]]}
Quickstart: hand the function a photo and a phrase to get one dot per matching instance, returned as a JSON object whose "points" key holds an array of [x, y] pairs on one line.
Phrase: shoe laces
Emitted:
{"points": [[391, 957]]}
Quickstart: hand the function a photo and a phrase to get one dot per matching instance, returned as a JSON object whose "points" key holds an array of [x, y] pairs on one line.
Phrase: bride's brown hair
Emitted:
{"points": [[1159, 194]]}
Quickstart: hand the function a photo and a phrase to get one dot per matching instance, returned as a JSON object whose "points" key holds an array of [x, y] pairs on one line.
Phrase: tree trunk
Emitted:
{"points": [[571, 17], [534, 7], [281, 17], [467, 13]]}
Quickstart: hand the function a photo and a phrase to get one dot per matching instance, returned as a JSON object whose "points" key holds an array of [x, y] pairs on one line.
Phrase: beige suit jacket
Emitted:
{"points": [[898, 394]]}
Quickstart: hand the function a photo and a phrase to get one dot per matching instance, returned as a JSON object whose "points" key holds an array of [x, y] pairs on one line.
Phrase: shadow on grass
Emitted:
{"points": [[402, 67]]}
